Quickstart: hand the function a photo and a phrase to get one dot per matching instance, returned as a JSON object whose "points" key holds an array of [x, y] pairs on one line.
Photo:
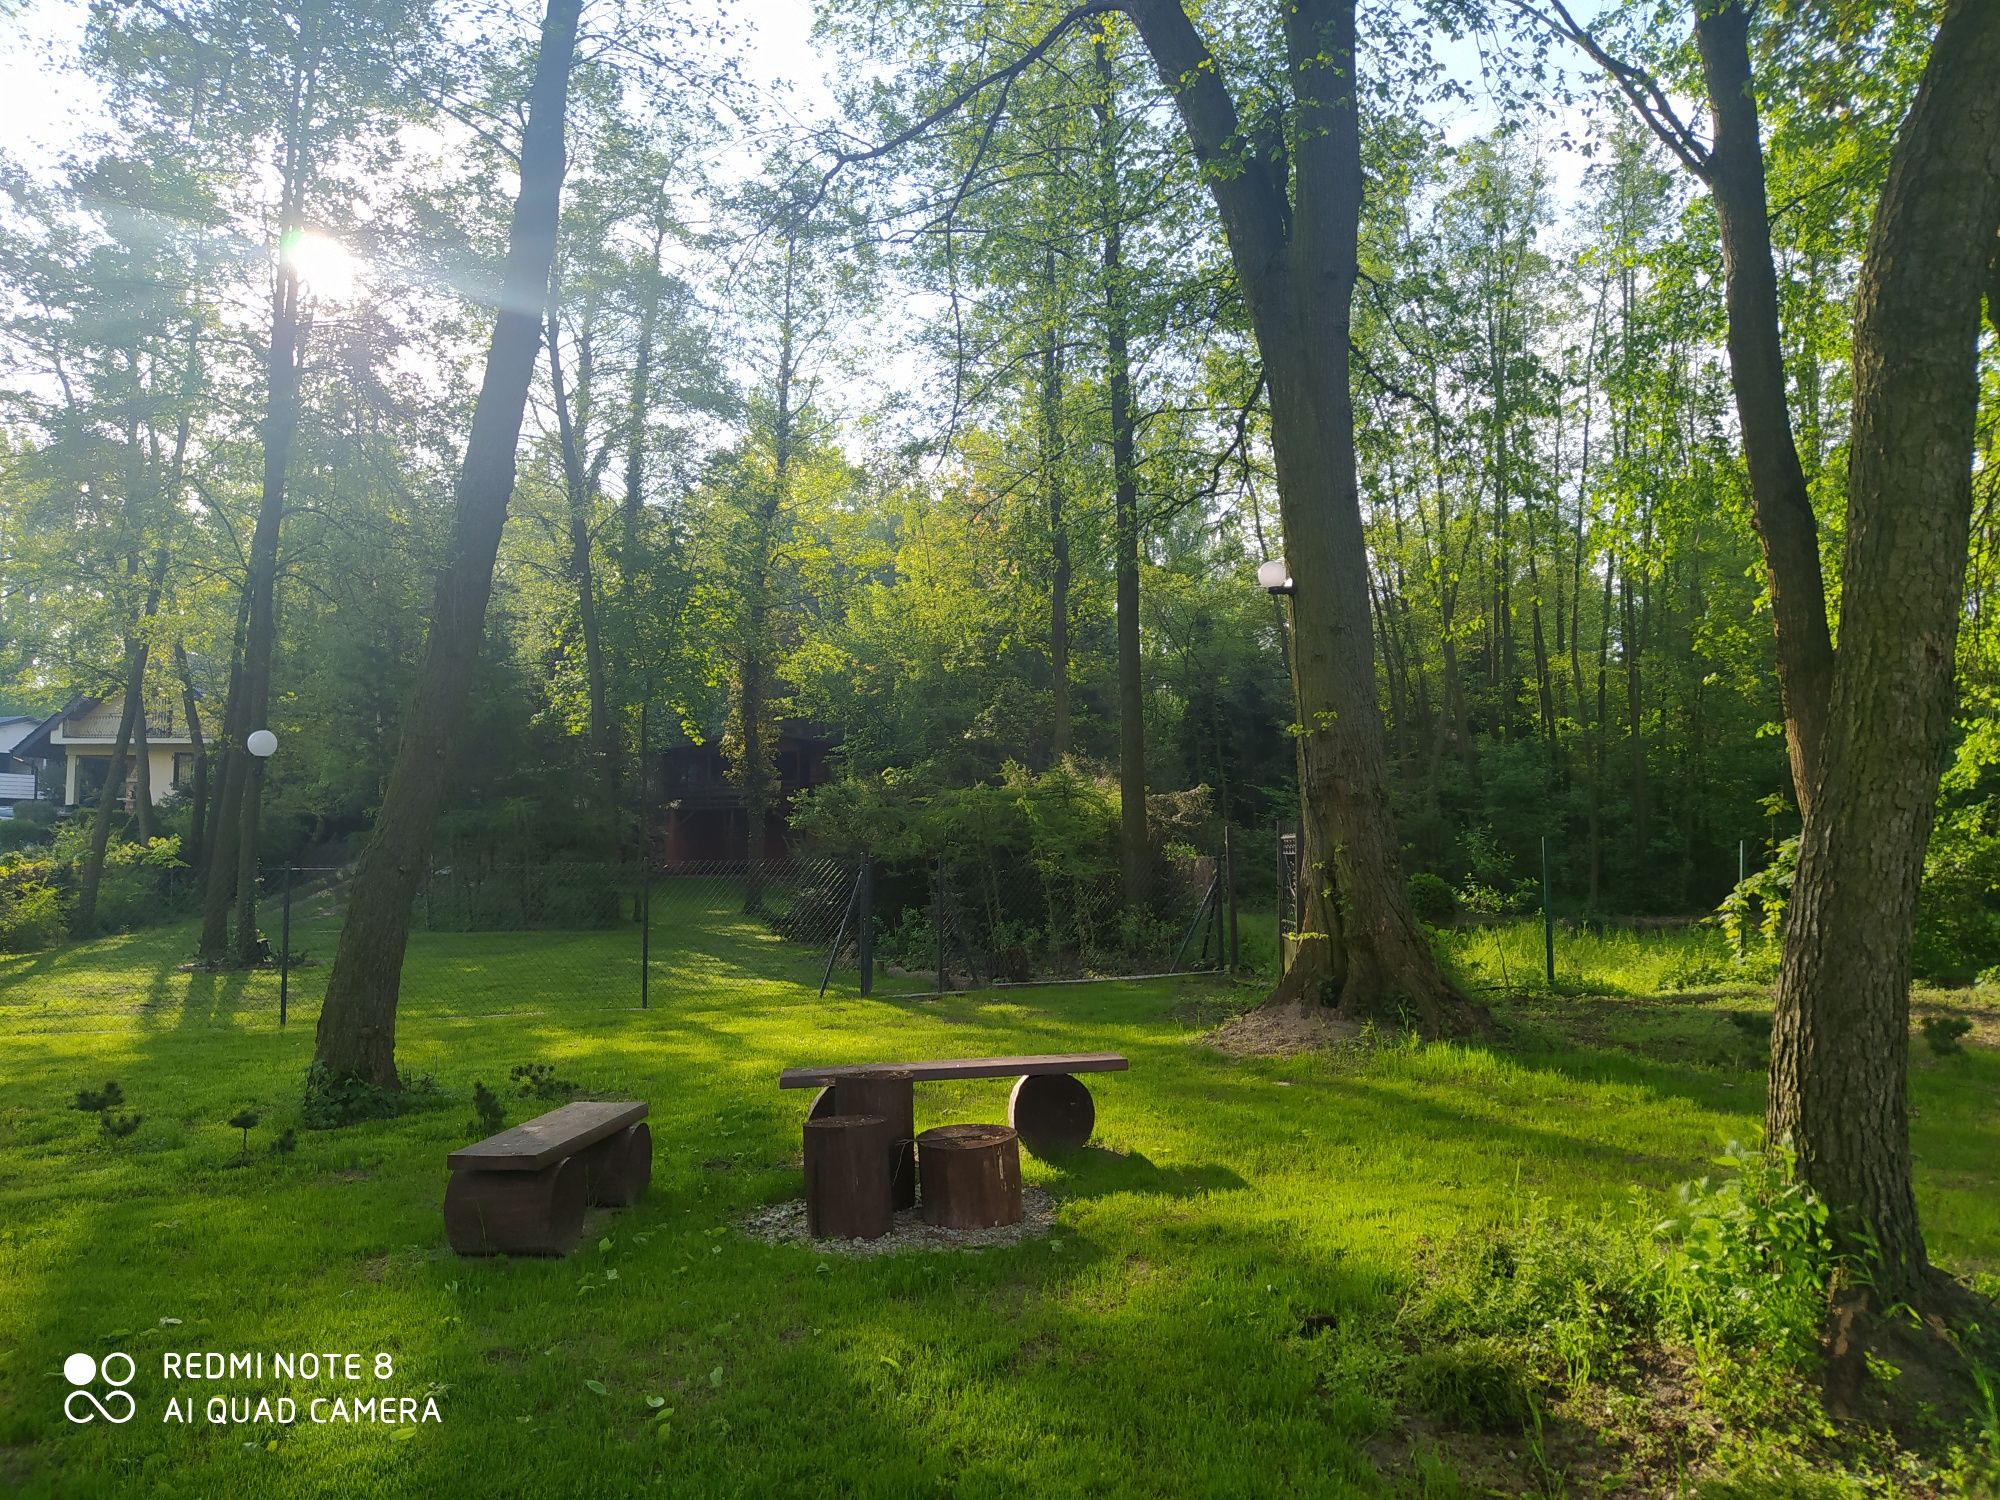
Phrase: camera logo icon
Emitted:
{"points": [[80, 1370]]}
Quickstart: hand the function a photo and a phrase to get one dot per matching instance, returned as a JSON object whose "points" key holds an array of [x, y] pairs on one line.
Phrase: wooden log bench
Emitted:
{"points": [[523, 1191], [1050, 1109]]}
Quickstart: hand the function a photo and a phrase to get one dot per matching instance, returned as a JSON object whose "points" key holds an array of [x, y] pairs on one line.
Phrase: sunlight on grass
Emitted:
{"points": [[1223, 1203]]}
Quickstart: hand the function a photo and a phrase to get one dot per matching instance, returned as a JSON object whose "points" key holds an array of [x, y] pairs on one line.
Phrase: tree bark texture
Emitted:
{"points": [[1840, 1038], [1296, 256], [357, 1027]]}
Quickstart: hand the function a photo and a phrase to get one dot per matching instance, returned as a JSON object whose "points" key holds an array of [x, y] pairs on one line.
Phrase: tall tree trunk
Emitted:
{"points": [[1059, 560], [1840, 1038], [1136, 855], [191, 855], [1780, 503], [83, 922], [755, 671], [137, 647], [1296, 257], [242, 790], [576, 488], [357, 1025]]}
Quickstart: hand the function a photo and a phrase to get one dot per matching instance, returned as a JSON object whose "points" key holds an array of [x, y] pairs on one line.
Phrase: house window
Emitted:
{"points": [[183, 769]]}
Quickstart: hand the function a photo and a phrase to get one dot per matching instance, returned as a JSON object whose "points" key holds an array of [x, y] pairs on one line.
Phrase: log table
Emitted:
{"points": [[523, 1191], [1050, 1109]]}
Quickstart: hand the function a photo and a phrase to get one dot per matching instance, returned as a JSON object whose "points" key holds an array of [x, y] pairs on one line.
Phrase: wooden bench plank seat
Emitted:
{"points": [[1050, 1109], [959, 1067], [549, 1138]]}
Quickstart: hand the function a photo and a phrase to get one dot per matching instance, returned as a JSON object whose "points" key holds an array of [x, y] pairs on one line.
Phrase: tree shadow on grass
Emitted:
{"points": [[1097, 1171]]}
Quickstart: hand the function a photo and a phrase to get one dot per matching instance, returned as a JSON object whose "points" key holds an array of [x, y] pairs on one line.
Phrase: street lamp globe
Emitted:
{"points": [[261, 743], [1273, 577]]}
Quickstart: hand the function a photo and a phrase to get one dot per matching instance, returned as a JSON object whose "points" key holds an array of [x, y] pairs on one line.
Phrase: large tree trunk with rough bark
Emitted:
{"points": [[1296, 256], [1840, 1039], [357, 1026]]}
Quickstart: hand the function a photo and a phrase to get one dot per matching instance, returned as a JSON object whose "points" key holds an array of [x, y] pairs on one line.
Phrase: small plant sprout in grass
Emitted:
{"points": [[539, 1081], [103, 1103], [1944, 1033], [245, 1120], [488, 1114]]}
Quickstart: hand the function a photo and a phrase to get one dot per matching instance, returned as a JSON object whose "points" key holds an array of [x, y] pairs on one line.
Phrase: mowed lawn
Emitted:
{"points": [[1206, 1319]]}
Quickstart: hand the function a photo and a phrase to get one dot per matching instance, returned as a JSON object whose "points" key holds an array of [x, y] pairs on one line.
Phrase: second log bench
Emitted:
{"points": [[523, 1191]]}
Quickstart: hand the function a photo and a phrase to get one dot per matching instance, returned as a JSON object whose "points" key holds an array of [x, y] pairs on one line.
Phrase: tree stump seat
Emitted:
{"points": [[1050, 1109], [971, 1176], [849, 1171], [523, 1191]]}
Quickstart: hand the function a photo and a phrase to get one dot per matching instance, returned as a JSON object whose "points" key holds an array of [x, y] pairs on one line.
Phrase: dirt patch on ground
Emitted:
{"points": [[1281, 1030], [785, 1224]]}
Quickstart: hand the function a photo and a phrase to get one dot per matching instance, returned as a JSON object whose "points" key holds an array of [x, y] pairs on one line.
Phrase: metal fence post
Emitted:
{"points": [[864, 926], [1278, 850], [1548, 921], [285, 951], [1229, 885], [937, 924], [645, 870], [1743, 914]]}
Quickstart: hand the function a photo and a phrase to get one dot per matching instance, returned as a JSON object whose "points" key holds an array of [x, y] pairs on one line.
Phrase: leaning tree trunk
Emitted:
{"points": [[1296, 256], [1134, 846], [1840, 1039], [84, 921], [1781, 505], [357, 1025]]}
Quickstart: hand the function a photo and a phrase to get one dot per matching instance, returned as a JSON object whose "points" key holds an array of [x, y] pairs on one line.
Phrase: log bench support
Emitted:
{"points": [[523, 1191]]}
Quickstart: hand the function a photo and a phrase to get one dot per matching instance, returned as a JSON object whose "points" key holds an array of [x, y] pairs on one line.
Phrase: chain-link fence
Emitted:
{"points": [[492, 938]]}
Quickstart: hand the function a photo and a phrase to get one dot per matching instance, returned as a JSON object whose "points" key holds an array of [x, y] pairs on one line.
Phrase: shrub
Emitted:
{"points": [[1943, 1033], [537, 1081], [488, 1114], [31, 916], [1478, 1384], [1432, 899]]}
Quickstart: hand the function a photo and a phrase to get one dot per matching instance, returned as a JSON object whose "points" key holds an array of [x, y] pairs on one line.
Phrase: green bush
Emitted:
{"points": [[1478, 1385], [1432, 899], [31, 916]]}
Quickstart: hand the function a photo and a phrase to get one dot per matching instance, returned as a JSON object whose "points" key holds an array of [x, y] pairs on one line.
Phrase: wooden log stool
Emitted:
{"points": [[890, 1093], [848, 1177], [971, 1176]]}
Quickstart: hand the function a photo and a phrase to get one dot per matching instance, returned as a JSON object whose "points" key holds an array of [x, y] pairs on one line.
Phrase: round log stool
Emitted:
{"points": [[971, 1176], [516, 1213], [619, 1168], [1052, 1111], [847, 1177]]}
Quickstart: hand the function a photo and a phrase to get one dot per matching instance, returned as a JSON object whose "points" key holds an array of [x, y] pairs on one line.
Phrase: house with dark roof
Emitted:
{"points": [[74, 747]]}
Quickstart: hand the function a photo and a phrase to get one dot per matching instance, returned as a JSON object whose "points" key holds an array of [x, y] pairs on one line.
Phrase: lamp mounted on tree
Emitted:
{"points": [[1274, 578]]}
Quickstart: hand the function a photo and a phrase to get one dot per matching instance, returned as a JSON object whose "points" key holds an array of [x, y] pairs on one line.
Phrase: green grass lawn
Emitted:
{"points": [[1215, 1314]]}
